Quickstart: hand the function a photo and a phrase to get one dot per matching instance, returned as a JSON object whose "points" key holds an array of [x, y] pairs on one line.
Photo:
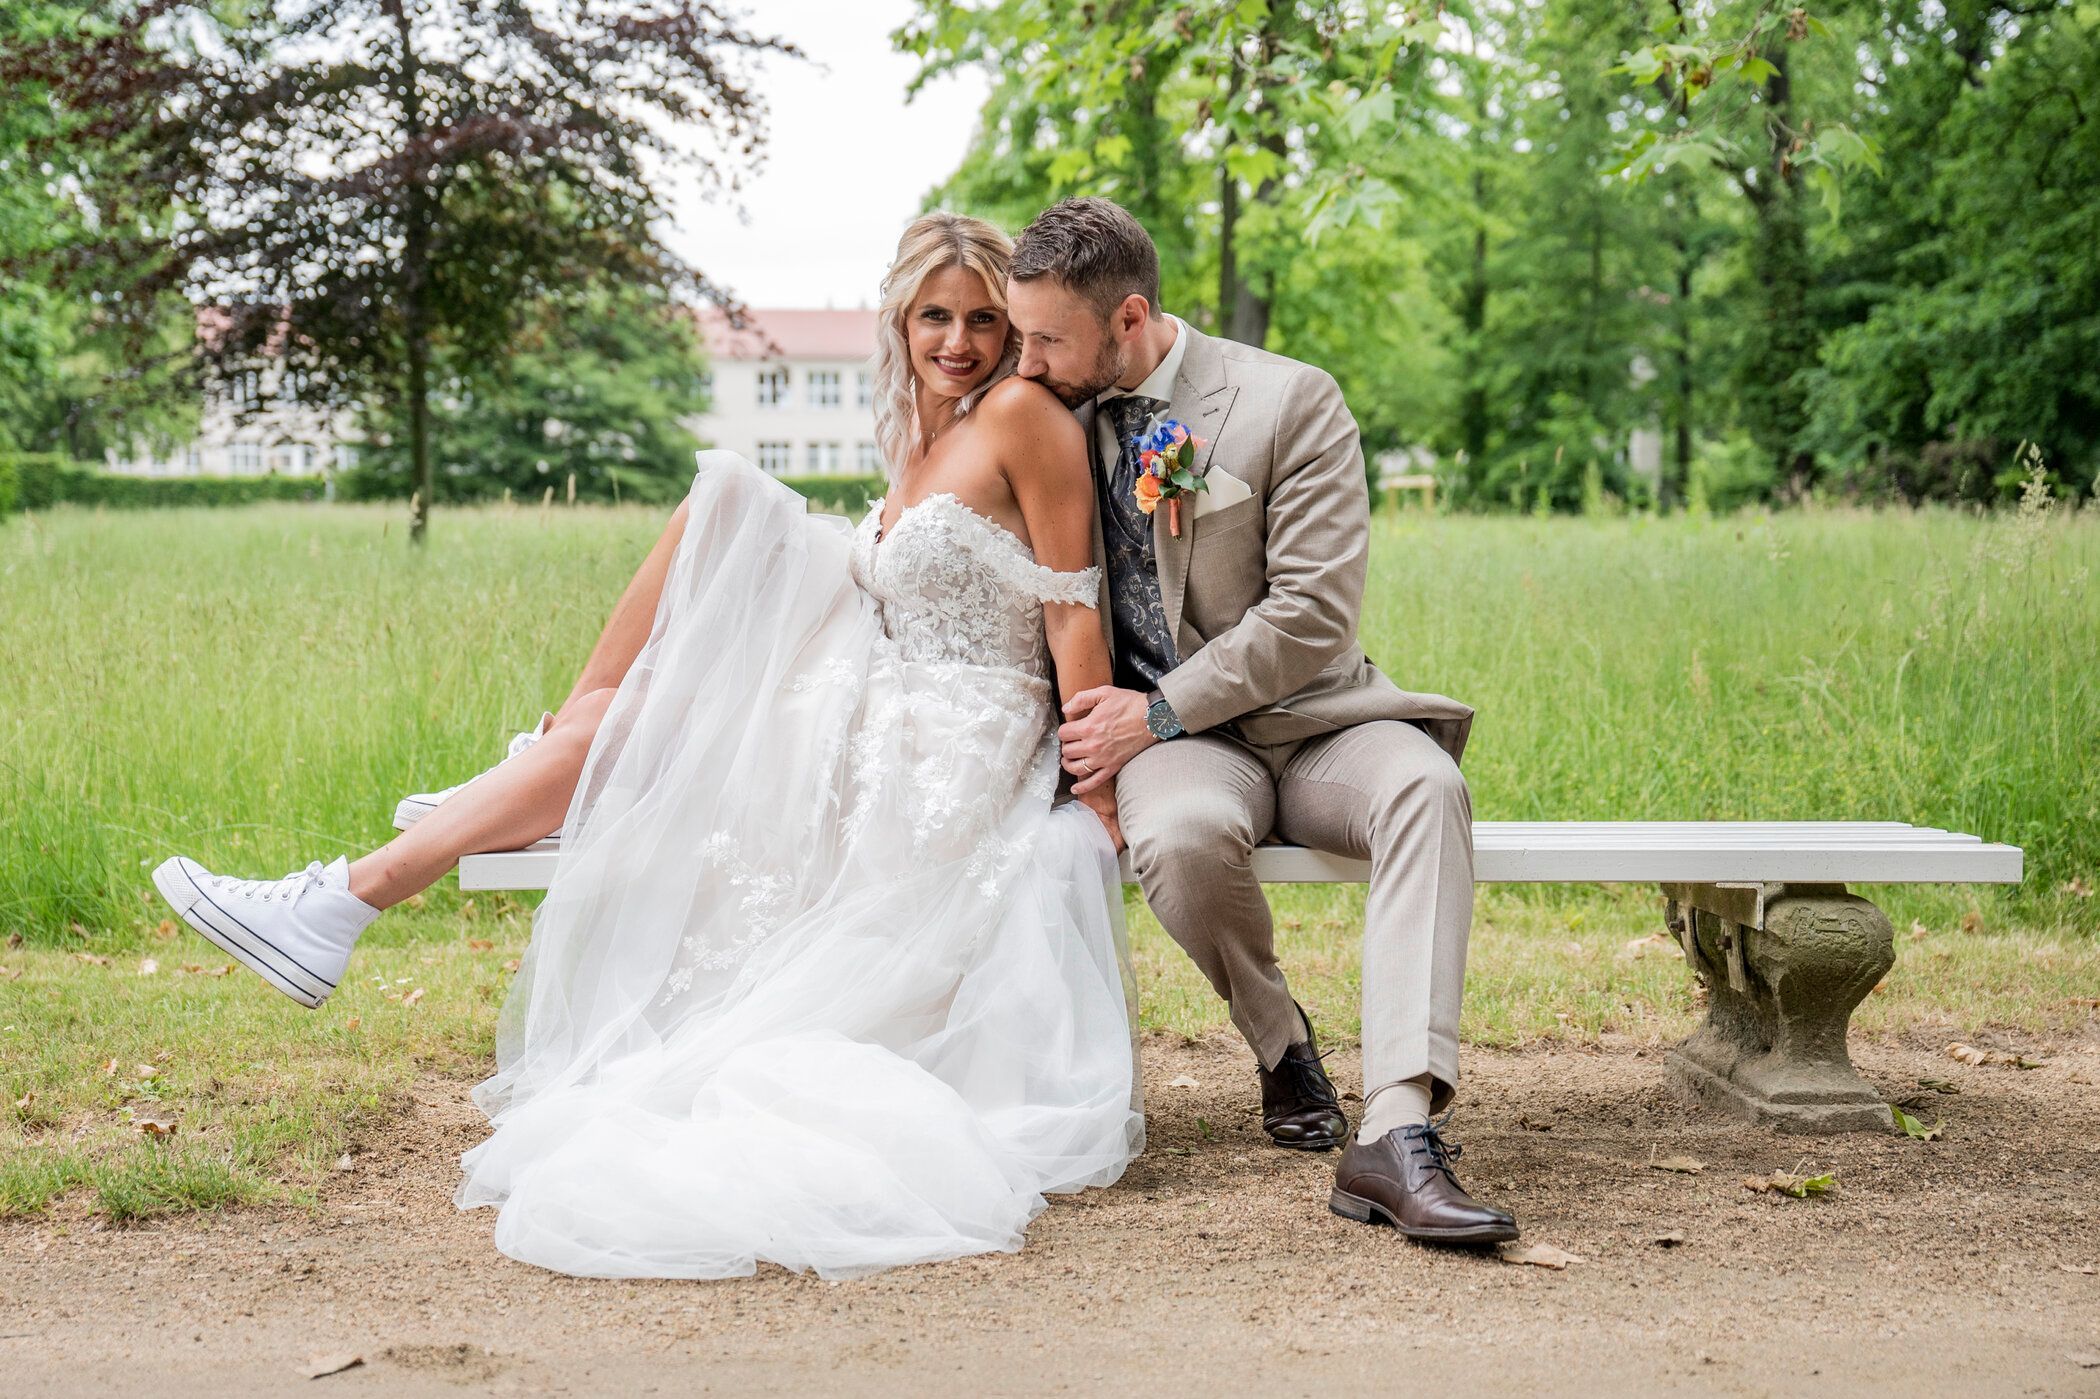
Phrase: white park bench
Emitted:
{"points": [[1759, 907]]}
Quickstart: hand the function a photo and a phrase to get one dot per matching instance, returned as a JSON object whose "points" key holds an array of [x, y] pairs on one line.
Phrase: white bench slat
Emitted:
{"points": [[1582, 852]]}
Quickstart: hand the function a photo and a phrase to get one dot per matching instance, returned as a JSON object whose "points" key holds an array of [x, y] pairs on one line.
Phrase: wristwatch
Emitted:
{"points": [[1159, 717]]}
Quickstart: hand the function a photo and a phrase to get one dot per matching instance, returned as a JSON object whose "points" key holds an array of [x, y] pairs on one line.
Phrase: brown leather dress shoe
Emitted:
{"points": [[1299, 1109], [1404, 1179]]}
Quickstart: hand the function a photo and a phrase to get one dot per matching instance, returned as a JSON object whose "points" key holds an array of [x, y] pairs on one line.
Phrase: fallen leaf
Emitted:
{"points": [[343, 1162], [1182, 1081], [1918, 931], [2089, 1002], [1972, 922], [148, 1071], [1671, 1239], [14, 937], [1787, 1183], [226, 970], [1536, 1255], [23, 1103], [153, 1120], [353, 1022], [109, 1069], [511, 965], [1970, 1054], [148, 967], [479, 944], [95, 957], [412, 997], [1683, 1165], [1940, 1085], [1653, 943], [1915, 1128], [319, 1366], [2078, 889], [165, 930]]}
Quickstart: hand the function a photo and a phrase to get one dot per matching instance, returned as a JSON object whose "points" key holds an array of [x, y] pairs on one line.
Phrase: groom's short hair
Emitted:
{"points": [[1095, 248]]}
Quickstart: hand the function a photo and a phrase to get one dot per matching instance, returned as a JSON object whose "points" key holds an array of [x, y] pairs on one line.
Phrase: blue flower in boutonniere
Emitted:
{"points": [[1167, 470]]}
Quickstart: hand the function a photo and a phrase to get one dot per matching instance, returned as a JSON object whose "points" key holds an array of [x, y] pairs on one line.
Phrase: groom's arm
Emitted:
{"points": [[1319, 545]]}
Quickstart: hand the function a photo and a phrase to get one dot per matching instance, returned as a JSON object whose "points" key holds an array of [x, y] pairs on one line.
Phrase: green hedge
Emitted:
{"points": [[40, 480], [850, 493]]}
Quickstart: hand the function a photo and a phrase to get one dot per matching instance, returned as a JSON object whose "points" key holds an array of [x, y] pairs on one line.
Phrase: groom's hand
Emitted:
{"points": [[1104, 728]]}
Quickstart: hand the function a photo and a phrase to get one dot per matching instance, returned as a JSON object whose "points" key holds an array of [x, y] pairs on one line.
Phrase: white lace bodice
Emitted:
{"points": [[955, 585]]}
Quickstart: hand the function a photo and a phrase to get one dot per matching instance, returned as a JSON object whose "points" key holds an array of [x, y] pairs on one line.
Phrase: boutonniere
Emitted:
{"points": [[1166, 470]]}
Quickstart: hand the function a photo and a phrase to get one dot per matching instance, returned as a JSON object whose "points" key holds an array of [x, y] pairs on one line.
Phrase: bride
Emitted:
{"points": [[822, 977]]}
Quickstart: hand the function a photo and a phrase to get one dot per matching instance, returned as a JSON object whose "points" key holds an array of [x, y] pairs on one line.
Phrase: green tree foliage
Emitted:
{"points": [[1850, 250], [358, 183], [595, 388]]}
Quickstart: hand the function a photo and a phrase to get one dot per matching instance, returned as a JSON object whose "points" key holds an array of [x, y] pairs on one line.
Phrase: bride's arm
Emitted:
{"points": [[1045, 461]]}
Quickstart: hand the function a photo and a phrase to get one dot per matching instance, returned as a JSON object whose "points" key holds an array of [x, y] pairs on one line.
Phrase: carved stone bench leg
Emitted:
{"points": [[1784, 965]]}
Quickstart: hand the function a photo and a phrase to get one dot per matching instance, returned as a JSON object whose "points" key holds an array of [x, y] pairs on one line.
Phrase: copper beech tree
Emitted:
{"points": [[351, 183]]}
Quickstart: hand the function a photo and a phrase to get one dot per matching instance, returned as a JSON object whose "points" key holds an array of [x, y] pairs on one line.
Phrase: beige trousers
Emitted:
{"points": [[1194, 808]]}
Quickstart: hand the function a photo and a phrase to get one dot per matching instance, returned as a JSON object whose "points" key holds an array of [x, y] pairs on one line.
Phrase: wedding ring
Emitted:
{"points": [[1089, 767]]}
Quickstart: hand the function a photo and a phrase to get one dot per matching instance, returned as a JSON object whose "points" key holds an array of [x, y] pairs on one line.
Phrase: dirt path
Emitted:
{"points": [[1959, 1267]]}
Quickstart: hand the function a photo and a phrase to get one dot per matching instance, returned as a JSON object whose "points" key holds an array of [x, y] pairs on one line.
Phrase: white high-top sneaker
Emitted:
{"points": [[295, 932], [414, 808]]}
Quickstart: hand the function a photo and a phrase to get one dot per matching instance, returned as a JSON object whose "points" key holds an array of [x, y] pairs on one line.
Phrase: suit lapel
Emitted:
{"points": [[1085, 414], [1202, 400]]}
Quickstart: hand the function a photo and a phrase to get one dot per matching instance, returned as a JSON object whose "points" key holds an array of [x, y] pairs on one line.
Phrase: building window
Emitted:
{"points": [[772, 388], [193, 460], [825, 458], [244, 458], [345, 457], [773, 457], [823, 388], [869, 460], [864, 389]]}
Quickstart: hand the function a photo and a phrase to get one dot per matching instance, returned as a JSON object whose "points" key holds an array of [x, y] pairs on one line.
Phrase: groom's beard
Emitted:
{"points": [[1108, 370]]}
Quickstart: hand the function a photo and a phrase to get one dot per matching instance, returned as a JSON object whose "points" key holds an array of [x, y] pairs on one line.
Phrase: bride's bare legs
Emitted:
{"points": [[627, 630], [511, 805]]}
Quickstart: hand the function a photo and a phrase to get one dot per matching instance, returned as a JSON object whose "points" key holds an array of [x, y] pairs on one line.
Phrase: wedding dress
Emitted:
{"points": [[822, 978]]}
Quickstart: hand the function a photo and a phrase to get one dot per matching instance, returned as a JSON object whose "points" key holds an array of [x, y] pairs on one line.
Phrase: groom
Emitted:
{"points": [[1243, 706]]}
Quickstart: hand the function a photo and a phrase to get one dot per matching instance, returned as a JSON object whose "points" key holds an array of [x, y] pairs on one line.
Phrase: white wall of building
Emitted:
{"points": [[793, 416]]}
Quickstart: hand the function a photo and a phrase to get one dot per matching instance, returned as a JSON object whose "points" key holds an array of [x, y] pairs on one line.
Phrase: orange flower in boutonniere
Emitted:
{"points": [[1147, 492], [1166, 470]]}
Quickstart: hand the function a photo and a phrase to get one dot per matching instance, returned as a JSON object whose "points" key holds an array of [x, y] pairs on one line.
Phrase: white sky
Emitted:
{"points": [[847, 160]]}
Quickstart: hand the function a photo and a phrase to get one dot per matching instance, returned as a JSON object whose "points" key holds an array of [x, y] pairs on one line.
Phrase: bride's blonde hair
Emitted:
{"points": [[933, 241]]}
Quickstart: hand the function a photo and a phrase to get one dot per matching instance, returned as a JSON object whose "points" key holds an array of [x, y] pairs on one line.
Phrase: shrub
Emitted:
{"points": [[38, 481]]}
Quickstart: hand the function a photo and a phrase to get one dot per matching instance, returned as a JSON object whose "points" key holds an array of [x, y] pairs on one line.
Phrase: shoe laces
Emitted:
{"points": [[285, 890], [1426, 1139], [1305, 1079]]}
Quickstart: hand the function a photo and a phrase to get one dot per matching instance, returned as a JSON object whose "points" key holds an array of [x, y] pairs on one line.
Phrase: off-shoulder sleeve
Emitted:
{"points": [[1081, 589], [1030, 579]]}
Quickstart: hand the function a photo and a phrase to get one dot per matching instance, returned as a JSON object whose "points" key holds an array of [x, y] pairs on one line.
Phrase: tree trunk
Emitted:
{"points": [[1472, 318], [1243, 308], [415, 269], [1782, 338]]}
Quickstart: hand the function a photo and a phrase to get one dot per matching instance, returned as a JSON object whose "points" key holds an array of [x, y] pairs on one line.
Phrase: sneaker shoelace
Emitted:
{"points": [[285, 890]]}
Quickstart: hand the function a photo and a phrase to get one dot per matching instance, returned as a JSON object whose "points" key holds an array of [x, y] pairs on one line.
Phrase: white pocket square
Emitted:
{"points": [[1225, 490]]}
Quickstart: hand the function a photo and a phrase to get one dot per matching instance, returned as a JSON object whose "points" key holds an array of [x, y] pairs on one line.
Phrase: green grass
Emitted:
{"points": [[256, 688]]}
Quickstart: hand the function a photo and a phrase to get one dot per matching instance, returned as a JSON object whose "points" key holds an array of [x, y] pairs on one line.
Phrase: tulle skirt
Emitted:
{"points": [[822, 978]]}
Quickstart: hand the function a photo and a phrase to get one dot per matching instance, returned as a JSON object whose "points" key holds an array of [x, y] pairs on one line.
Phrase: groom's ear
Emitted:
{"points": [[1130, 317]]}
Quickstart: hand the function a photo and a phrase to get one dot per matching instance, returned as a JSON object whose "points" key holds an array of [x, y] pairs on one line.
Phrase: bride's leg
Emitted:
{"points": [[511, 805], [627, 630]]}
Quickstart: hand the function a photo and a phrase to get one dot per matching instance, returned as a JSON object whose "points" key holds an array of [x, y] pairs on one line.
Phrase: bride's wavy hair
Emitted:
{"points": [[933, 241]]}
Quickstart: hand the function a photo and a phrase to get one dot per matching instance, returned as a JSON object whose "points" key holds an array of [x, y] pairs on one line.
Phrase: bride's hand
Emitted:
{"points": [[1102, 802]]}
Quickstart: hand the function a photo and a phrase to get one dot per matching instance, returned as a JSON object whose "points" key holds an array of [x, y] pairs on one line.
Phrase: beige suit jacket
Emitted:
{"points": [[1264, 586]]}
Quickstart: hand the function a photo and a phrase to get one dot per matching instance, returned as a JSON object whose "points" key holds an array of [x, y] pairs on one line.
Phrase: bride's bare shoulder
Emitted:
{"points": [[1030, 414]]}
